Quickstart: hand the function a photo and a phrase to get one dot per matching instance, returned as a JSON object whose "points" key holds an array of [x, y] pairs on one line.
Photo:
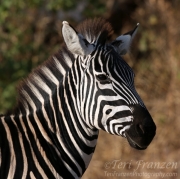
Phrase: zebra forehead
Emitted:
{"points": [[96, 30]]}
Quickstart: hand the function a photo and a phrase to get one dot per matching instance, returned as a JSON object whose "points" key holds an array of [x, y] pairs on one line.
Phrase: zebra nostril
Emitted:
{"points": [[139, 129], [108, 111]]}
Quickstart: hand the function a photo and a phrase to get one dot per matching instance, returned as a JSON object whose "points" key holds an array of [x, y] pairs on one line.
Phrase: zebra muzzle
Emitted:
{"points": [[143, 129]]}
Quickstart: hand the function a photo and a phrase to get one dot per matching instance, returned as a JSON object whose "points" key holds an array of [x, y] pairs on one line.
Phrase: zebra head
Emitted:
{"points": [[106, 95]]}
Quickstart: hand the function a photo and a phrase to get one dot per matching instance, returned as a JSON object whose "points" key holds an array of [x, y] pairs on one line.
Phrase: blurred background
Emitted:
{"points": [[30, 32]]}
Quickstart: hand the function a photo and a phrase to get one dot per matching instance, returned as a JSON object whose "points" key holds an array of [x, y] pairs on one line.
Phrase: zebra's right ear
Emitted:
{"points": [[123, 42], [75, 42]]}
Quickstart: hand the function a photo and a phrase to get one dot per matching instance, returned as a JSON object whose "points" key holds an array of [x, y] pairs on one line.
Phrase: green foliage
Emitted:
{"points": [[94, 12], [28, 36], [61, 4]]}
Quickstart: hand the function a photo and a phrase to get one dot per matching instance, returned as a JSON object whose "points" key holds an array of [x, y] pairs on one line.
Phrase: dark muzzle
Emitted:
{"points": [[143, 129]]}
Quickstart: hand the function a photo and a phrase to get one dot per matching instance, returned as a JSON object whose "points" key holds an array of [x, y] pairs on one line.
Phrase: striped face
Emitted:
{"points": [[111, 89], [110, 101], [106, 95]]}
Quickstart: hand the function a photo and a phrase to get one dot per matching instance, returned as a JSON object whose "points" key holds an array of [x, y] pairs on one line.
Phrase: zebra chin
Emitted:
{"points": [[143, 129]]}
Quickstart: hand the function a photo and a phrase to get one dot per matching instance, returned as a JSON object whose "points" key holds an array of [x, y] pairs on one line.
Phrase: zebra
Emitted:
{"points": [[62, 105]]}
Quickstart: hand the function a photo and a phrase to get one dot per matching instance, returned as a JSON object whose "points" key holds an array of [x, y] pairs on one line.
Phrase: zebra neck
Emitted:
{"points": [[47, 127], [80, 134], [55, 132]]}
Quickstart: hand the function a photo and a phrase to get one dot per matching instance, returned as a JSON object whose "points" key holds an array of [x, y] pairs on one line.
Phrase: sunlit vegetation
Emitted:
{"points": [[30, 32]]}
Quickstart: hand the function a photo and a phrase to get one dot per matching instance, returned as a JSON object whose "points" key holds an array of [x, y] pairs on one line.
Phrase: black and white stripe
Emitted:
{"points": [[63, 104]]}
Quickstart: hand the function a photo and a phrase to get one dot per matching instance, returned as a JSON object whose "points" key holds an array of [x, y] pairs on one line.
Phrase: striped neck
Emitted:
{"points": [[55, 131]]}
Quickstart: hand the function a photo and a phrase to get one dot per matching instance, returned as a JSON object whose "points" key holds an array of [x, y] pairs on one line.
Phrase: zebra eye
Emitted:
{"points": [[103, 78]]}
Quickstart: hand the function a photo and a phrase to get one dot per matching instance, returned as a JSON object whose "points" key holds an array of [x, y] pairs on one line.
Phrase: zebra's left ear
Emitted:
{"points": [[75, 42], [123, 42]]}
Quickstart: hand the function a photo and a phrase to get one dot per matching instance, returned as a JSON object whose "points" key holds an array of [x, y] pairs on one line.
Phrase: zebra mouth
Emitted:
{"points": [[133, 144]]}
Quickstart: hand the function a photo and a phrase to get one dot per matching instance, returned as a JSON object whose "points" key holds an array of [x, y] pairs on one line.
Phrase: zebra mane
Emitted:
{"points": [[95, 31], [46, 75]]}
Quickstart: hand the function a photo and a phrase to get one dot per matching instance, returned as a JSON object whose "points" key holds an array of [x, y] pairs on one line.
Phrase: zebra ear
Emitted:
{"points": [[123, 42], [75, 42]]}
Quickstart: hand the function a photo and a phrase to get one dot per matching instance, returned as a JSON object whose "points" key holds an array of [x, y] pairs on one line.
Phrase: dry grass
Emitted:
{"points": [[158, 83]]}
